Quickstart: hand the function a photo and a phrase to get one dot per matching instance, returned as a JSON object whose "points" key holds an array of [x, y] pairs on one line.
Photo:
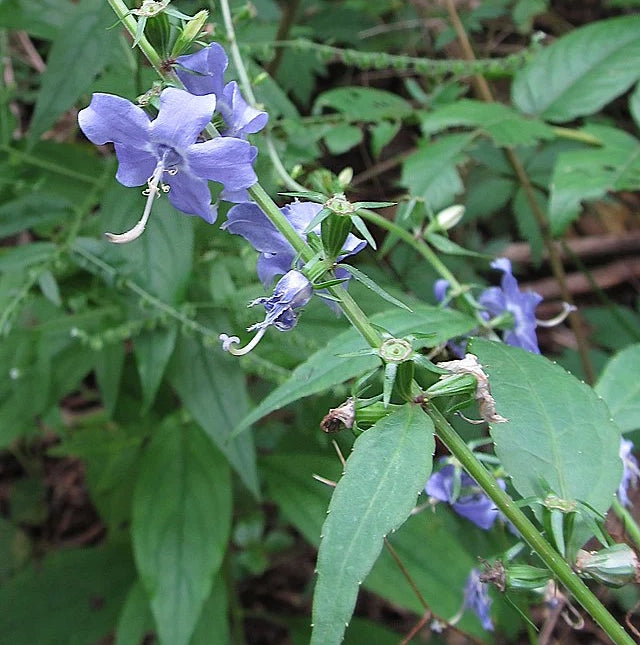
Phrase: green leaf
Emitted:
{"points": [[634, 105], [40, 18], [370, 284], [431, 172], [304, 500], [580, 72], [212, 626], [620, 388], [363, 104], [153, 350], [135, 619], [79, 52], [342, 138], [559, 432], [586, 174], [85, 611], [212, 387], [181, 523], [381, 134], [503, 124], [383, 476], [328, 366], [109, 364]]}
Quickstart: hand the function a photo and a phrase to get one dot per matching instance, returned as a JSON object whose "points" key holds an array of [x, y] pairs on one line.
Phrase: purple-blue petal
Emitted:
{"points": [[226, 160], [440, 288], [493, 300], [191, 195], [476, 598], [112, 118], [241, 118], [300, 214], [272, 264], [249, 220], [203, 72], [181, 118], [135, 166]]}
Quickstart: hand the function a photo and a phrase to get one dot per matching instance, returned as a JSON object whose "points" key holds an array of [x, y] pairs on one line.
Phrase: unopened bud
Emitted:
{"points": [[613, 566], [523, 577], [449, 217], [345, 177], [190, 32]]}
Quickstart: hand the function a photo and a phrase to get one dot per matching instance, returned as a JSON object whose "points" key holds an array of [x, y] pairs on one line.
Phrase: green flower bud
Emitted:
{"points": [[613, 566], [449, 217], [523, 577], [189, 34]]}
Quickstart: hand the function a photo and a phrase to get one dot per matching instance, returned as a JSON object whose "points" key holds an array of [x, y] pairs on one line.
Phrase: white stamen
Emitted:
{"points": [[561, 317], [152, 192], [229, 341]]}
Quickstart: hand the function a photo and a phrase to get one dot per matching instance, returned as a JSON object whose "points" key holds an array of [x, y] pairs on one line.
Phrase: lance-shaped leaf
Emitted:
{"points": [[181, 522], [383, 476]]}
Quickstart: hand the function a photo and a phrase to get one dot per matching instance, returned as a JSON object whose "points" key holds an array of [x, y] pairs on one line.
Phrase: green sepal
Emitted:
{"points": [[453, 385], [370, 284], [359, 205], [312, 196], [161, 34], [334, 231], [614, 566], [524, 577], [404, 381], [425, 363], [317, 220], [361, 227], [390, 371]]}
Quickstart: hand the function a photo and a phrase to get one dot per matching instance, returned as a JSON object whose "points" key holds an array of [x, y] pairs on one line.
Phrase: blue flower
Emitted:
{"points": [[630, 471], [276, 254], [203, 73], [508, 298], [165, 153], [292, 292], [467, 499], [476, 598]]}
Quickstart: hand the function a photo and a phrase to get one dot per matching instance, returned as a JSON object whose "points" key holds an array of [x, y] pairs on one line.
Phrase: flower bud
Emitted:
{"points": [[190, 32], [613, 566], [449, 217], [523, 577]]}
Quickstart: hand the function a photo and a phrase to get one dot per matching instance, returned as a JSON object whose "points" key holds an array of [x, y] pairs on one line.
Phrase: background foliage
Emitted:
{"points": [[165, 489]]}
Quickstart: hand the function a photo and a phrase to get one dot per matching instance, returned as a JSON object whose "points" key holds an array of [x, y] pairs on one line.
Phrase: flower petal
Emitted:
{"points": [[226, 160], [182, 117], [249, 221], [272, 264], [241, 118], [191, 195], [135, 165], [112, 118], [300, 214], [203, 72], [493, 300]]}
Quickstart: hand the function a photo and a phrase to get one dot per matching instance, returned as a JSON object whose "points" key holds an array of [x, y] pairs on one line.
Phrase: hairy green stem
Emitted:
{"points": [[528, 530]]}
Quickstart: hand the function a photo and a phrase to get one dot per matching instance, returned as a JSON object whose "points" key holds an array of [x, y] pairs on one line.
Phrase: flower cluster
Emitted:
{"points": [[168, 153]]}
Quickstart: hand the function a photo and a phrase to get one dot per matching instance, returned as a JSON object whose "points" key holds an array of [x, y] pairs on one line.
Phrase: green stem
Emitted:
{"points": [[130, 23], [631, 527], [528, 530]]}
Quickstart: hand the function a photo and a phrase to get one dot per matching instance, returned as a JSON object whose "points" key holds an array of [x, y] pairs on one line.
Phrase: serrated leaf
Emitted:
{"points": [[586, 174], [383, 476], [580, 72], [559, 432], [363, 104], [503, 124], [153, 350], [431, 172], [181, 523], [212, 388], [370, 284], [327, 367], [79, 52], [620, 388]]}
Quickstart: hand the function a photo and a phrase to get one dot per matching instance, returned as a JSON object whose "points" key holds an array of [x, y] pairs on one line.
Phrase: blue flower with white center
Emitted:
{"points": [[292, 292], [476, 598], [166, 154], [203, 73], [460, 490], [508, 298], [630, 471], [276, 254]]}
